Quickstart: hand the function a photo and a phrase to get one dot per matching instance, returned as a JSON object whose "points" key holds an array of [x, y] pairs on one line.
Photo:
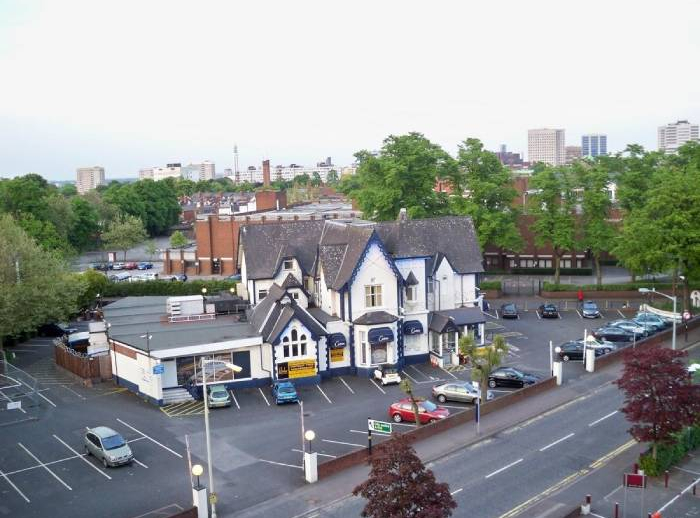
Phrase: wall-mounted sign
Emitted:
{"points": [[296, 369], [337, 355], [159, 368]]}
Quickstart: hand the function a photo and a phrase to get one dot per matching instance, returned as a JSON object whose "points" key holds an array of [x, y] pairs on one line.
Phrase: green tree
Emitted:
{"points": [[407, 387], [151, 249], [125, 234], [316, 179], [68, 190], [178, 240], [332, 177], [484, 359], [85, 225], [553, 205], [93, 283]]}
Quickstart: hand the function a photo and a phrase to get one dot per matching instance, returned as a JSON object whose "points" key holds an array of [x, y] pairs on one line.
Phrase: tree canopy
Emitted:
{"points": [[125, 234]]}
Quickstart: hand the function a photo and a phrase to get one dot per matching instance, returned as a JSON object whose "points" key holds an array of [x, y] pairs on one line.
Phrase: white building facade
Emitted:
{"points": [[674, 135], [546, 146], [88, 178]]}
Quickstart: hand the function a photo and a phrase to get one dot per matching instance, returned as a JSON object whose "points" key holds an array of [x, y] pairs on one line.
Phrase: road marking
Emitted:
{"points": [[520, 508], [621, 314], [503, 468], [375, 384], [40, 394], [44, 466], [140, 463], [150, 438], [538, 315], [579, 314], [454, 406], [12, 401], [404, 424], [263, 395], [605, 458], [496, 314], [74, 392], [281, 464], [136, 439], [557, 442], [14, 486], [235, 400], [317, 453], [324, 394], [345, 443], [611, 493], [410, 377], [373, 433], [602, 418], [346, 385], [82, 457], [686, 470], [421, 372], [561, 317], [453, 493], [448, 372]]}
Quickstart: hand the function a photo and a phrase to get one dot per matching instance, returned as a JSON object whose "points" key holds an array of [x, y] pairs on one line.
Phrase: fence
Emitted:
{"points": [[86, 367], [519, 286], [16, 386]]}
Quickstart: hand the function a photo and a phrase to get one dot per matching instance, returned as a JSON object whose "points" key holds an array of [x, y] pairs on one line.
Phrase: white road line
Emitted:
{"points": [[345, 443], [373, 433], [235, 400], [561, 317], [538, 315], [496, 314], [14, 486], [611, 493], [44, 466], [410, 377], [12, 401], [427, 376], [317, 453], [378, 387], [281, 464], [556, 442], [448, 372], [43, 396], [263, 395], [579, 314], [38, 466], [686, 470], [453, 406], [503, 468], [602, 418], [346, 385], [82, 457], [621, 314], [403, 424], [137, 439], [74, 392], [150, 438], [324, 394], [453, 493], [140, 463]]}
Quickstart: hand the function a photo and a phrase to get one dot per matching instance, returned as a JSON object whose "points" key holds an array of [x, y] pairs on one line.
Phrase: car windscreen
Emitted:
{"points": [[113, 442], [429, 406], [286, 390], [509, 307], [590, 305]]}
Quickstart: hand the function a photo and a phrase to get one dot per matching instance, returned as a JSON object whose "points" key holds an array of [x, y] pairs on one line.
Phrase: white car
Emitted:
{"points": [[386, 375]]}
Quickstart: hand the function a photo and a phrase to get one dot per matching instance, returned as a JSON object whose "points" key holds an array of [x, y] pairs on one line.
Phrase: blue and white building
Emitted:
{"points": [[593, 145]]}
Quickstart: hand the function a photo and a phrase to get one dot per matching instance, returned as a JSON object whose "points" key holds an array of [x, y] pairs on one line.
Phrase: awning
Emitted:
{"points": [[412, 327], [337, 341], [380, 335]]}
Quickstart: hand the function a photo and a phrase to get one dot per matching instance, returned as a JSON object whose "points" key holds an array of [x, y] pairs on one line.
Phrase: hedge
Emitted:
{"points": [[490, 285], [669, 454], [163, 287], [630, 286]]}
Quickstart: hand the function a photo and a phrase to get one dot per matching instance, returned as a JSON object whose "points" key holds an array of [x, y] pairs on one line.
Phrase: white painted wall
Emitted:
{"points": [[375, 269], [310, 343], [417, 266], [170, 374], [454, 290], [295, 271]]}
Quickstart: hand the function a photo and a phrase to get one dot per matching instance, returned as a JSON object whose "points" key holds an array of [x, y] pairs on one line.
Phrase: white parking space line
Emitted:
{"points": [[621, 314], [140, 463], [324, 394], [137, 439], [263, 395], [602, 418], [497, 314], [378, 387], [448, 372], [317, 453], [427, 376], [11, 400], [82, 457], [44, 466], [43, 396], [234, 399], [373, 433], [403, 424], [345, 443], [503, 468], [281, 464], [409, 376], [579, 314], [538, 315], [489, 314], [453, 406], [453, 493], [150, 438], [14, 486], [556, 442], [74, 392], [346, 385]]}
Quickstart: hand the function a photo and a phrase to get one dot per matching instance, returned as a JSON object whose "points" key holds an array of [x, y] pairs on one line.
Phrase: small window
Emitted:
{"points": [[295, 295], [262, 294], [373, 296], [411, 293], [288, 264]]}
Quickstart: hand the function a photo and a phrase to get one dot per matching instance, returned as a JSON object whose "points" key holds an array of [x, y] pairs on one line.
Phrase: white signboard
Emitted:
{"points": [[14, 405]]}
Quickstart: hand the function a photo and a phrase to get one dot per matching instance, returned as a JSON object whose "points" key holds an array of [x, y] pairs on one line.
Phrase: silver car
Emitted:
{"points": [[458, 391], [107, 446]]}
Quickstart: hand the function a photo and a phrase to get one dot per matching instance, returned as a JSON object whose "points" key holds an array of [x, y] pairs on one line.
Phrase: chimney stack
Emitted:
{"points": [[266, 173]]}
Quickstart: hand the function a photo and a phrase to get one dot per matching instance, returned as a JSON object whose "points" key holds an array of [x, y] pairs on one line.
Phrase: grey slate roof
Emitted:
{"points": [[375, 317], [453, 236], [439, 320], [340, 249], [411, 279], [322, 316], [291, 282]]}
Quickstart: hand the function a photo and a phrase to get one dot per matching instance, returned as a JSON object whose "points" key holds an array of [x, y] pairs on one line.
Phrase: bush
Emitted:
{"points": [[490, 285], [669, 454], [140, 289]]}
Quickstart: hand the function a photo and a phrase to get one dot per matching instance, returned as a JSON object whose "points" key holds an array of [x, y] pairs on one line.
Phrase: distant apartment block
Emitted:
{"points": [[88, 178], [286, 173], [572, 153], [508, 158], [203, 171], [594, 145], [547, 146], [160, 173], [674, 135]]}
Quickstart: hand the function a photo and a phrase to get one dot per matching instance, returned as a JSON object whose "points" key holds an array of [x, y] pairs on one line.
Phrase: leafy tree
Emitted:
{"points": [[185, 187], [151, 249], [68, 190], [316, 179], [93, 283], [25, 195], [407, 387], [553, 205], [86, 227], [490, 196], [154, 203], [332, 177], [45, 234], [60, 214], [178, 240], [484, 359], [400, 486], [635, 169], [660, 399], [302, 179], [125, 234]]}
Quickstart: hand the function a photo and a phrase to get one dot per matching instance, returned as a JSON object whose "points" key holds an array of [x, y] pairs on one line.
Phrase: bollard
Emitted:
{"points": [[694, 489], [666, 478], [586, 507], [617, 510], [635, 468]]}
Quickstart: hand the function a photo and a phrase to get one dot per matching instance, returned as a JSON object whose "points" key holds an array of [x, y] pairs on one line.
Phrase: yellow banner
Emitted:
{"points": [[296, 369], [337, 355]]}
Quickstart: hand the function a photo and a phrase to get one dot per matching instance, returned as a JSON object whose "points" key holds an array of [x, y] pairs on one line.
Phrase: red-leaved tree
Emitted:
{"points": [[400, 486], [660, 399]]}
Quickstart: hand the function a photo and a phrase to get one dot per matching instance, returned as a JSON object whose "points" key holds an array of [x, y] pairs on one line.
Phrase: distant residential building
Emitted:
{"points": [[286, 173], [146, 173], [594, 145], [509, 158], [546, 145], [572, 153], [88, 178], [674, 135], [202, 172], [169, 171]]}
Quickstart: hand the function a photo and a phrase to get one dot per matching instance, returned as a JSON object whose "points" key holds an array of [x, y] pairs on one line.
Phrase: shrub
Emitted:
{"points": [[490, 285], [669, 454], [162, 287]]}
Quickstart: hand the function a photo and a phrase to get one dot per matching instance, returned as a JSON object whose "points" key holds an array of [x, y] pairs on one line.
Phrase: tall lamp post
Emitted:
{"points": [[234, 368], [670, 297]]}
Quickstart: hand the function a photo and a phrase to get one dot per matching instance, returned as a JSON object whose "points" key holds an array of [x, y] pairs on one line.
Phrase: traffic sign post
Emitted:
{"points": [[633, 480], [686, 317], [477, 413], [377, 426]]}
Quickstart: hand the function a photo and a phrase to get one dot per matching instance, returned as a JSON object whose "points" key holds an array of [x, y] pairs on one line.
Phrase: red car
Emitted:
{"points": [[130, 266], [428, 411]]}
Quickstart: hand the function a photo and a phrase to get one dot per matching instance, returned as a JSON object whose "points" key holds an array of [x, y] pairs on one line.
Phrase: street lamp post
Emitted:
{"points": [[309, 435], [204, 299], [234, 368], [670, 297]]}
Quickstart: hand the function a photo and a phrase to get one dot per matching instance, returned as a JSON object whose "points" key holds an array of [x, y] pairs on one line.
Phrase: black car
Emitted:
{"points": [[574, 350], [510, 377], [55, 329], [613, 334], [548, 311], [509, 310], [589, 309]]}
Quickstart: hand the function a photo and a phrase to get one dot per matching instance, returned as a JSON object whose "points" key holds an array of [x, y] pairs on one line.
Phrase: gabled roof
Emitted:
{"points": [[291, 282], [411, 280], [452, 236], [340, 250], [375, 317]]}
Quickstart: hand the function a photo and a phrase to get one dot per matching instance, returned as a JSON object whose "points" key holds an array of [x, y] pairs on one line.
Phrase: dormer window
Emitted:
{"points": [[288, 264], [373, 295], [411, 293]]}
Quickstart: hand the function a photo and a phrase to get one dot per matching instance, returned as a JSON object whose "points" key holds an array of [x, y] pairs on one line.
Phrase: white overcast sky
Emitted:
{"points": [[131, 84]]}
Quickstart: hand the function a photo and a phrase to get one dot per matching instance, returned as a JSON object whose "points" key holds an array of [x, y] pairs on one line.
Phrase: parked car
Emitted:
{"points": [[56, 329], [633, 327], [589, 309], [148, 276], [120, 277], [458, 391], [118, 266], [655, 320], [130, 265], [144, 266], [101, 266], [613, 334], [548, 311], [604, 346], [428, 412], [511, 377], [218, 396], [107, 446], [284, 392], [509, 310], [234, 277], [573, 350], [386, 374], [175, 277]]}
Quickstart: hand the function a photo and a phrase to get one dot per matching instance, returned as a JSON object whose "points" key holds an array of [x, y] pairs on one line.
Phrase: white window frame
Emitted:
{"points": [[373, 296], [412, 293], [286, 262], [261, 294], [295, 345], [363, 347]]}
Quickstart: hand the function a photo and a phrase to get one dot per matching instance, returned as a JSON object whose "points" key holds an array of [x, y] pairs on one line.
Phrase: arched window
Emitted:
{"points": [[294, 344], [285, 347]]}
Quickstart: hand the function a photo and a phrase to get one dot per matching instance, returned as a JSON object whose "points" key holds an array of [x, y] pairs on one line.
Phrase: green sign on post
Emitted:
{"points": [[378, 426]]}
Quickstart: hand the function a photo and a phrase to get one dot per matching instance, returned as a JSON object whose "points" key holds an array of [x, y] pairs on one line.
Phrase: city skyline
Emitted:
{"points": [[85, 95]]}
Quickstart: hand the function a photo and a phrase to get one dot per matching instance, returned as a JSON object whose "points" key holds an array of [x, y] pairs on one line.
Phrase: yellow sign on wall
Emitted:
{"points": [[337, 355], [296, 369]]}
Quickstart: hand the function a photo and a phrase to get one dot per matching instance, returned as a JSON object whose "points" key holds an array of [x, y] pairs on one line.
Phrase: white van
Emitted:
{"points": [[148, 276], [120, 277]]}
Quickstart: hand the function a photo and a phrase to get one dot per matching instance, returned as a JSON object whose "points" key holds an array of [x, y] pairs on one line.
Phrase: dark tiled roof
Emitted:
{"points": [[322, 316], [259, 313], [291, 282], [411, 279], [348, 239], [286, 314], [453, 236], [375, 317], [461, 316]]}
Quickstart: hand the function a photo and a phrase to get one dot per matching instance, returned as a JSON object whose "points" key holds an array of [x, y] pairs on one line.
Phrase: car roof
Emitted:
{"points": [[283, 383], [218, 386], [102, 431]]}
